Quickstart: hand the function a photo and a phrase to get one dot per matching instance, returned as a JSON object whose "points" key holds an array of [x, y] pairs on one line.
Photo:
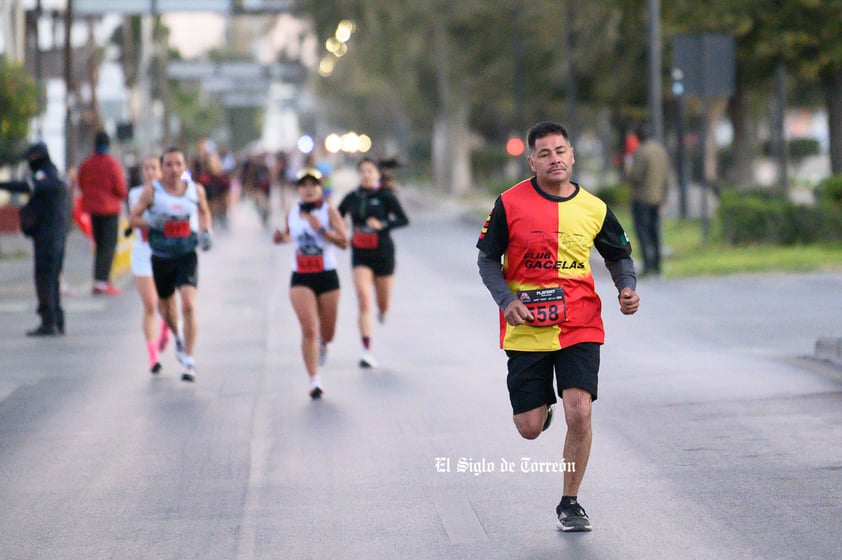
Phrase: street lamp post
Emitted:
{"points": [[678, 91]]}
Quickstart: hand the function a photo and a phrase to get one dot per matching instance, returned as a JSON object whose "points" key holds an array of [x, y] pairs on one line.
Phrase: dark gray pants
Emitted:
{"points": [[647, 225], [49, 258], [105, 237]]}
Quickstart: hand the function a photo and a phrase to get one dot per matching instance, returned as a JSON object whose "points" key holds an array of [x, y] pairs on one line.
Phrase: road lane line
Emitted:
{"points": [[459, 520]]}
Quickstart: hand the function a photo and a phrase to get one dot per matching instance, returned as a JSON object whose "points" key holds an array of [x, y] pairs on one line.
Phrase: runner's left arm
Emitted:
{"points": [[395, 215], [205, 219], [614, 246]]}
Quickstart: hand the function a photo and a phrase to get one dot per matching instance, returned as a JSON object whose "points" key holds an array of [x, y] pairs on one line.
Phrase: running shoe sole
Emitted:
{"points": [[574, 528], [574, 523], [549, 419]]}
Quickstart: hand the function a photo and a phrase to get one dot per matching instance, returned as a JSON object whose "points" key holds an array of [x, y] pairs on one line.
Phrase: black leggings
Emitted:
{"points": [[105, 237]]}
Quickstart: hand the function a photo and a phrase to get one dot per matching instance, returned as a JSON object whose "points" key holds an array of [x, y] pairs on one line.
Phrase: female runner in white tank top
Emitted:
{"points": [[314, 227], [141, 262]]}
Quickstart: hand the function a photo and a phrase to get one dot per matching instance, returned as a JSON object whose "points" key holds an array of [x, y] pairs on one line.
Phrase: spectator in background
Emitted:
{"points": [[44, 218], [388, 168], [217, 188], [649, 178], [103, 185]]}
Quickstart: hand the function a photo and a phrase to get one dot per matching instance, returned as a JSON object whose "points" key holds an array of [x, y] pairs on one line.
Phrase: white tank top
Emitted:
{"points": [[180, 215], [313, 252]]}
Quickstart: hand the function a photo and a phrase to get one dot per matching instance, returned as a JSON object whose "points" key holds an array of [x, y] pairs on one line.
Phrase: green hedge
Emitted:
{"points": [[830, 190], [762, 218], [615, 196]]}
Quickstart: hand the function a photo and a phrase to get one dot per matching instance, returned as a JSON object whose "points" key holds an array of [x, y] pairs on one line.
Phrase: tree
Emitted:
{"points": [[801, 34], [807, 34], [19, 103]]}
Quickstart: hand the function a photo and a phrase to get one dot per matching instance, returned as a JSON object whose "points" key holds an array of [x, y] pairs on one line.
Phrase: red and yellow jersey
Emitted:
{"points": [[545, 243]]}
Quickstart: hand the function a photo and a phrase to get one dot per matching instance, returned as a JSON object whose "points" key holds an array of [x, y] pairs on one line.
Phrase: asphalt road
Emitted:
{"points": [[713, 438]]}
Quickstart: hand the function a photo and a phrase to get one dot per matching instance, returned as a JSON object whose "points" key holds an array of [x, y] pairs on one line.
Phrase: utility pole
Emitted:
{"points": [[656, 112], [12, 17], [572, 82], [37, 61], [779, 144], [71, 155]]}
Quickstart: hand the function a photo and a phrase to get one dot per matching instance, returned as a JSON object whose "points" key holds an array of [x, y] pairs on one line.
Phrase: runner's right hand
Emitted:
{"points": [[517, 314]]}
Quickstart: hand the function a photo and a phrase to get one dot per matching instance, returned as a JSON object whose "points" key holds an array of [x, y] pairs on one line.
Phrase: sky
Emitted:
{"points": [[194, 33]]}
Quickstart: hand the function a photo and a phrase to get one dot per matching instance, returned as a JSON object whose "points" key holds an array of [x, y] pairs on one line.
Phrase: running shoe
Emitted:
{"points": [[367, 360], [106, 289], [549, 419], [180, 353], [188, 374], [316, 393], [155, 369], [322, 353], [573, 519]]}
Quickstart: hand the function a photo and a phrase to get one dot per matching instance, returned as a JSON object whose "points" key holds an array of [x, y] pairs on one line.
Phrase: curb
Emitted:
{"points": [[829, 349]]}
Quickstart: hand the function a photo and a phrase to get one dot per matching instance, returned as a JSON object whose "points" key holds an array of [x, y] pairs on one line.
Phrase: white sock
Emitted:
{"points": [[315, 382]]}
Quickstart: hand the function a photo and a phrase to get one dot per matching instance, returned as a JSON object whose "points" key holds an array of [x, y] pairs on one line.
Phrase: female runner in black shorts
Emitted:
{"points": [[313, 228], [374, 212]]}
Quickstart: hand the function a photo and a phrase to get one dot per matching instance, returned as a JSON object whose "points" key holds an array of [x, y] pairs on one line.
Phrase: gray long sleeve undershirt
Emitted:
{"points": [[491, 272]]}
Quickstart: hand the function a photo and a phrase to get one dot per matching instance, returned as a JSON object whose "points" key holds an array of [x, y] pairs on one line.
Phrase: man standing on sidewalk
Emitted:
{"points": [[103, 186], [649, 178], [45, 219]]}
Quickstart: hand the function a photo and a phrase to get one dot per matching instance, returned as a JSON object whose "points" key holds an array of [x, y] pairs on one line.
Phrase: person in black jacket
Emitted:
{"points": [[44, 218]]}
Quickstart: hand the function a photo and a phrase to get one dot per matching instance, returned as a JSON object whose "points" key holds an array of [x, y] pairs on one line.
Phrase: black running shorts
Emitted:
{"points": [[381, 260], [173, 272], [319, 282], [530, 377]]}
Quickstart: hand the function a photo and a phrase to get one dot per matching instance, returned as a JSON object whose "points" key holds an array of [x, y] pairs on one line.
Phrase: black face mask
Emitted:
{"points": [[37, 163], [309, 206]]}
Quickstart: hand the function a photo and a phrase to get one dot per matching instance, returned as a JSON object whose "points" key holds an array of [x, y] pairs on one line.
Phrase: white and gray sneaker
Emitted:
{"points": [[180, 352], [188, 373], [573, 519], [367, 360], [322, 353]]}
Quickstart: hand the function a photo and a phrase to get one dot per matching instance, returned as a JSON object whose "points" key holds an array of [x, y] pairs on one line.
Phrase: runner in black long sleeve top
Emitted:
{"points": [[374, 213]]}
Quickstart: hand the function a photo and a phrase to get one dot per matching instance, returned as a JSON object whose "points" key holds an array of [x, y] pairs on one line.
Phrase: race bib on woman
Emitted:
{"points": [[308, 264], [364, 240]]}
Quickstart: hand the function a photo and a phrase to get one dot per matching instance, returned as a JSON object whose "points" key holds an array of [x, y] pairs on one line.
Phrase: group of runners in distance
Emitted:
{"points": [[171, 217]]}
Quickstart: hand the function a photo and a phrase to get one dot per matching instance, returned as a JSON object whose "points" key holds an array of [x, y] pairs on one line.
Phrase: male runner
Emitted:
{"points": [[550, 315], [178, 220]]}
